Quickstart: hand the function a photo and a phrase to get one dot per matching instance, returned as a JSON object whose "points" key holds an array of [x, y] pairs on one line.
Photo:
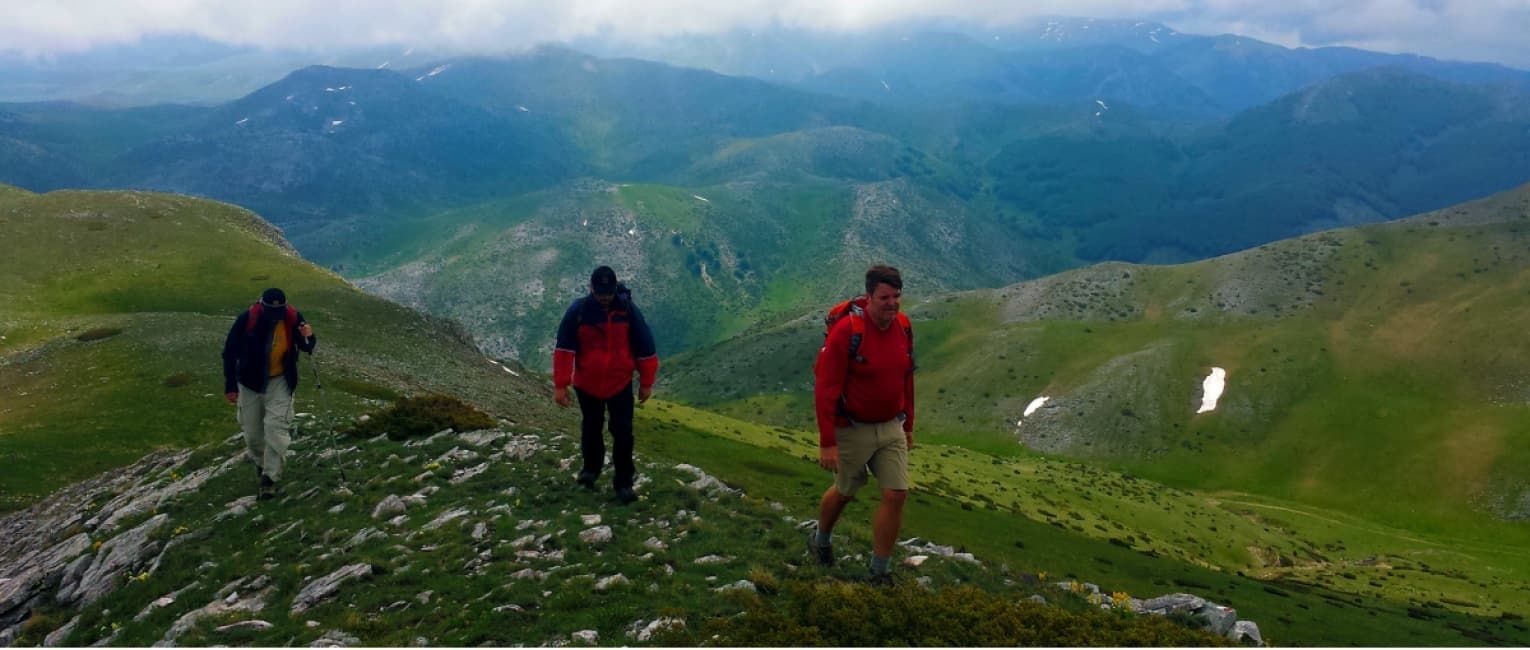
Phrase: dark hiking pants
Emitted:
{"points": [[592, 439]]}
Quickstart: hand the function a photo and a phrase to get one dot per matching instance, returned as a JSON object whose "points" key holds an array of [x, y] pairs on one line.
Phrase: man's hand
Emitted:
{"points": [[828, 458], [560, 396], [306, 330], [644, 392], [908, 436], [233, 398]]}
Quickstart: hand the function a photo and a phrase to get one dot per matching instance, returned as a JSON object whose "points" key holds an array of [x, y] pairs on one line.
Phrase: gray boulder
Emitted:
{"points": [[1171, 603], [1219, 619], [324, 588], [392, 505], [1246, 632]]}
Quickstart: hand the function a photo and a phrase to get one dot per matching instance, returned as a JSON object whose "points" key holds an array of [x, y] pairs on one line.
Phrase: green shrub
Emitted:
{"points": [[98, 333], [422, 416]]}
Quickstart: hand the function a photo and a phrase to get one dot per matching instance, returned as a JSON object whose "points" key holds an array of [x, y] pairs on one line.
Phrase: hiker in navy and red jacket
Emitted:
{"points": [[260, 374], [864, 397], [601, 341]]}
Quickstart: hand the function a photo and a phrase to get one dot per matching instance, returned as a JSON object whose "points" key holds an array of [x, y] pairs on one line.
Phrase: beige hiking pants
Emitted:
{"points": [[266, 419]]}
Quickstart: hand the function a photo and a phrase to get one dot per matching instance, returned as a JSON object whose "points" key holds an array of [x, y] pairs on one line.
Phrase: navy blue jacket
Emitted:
{"points": [[247, 354]]}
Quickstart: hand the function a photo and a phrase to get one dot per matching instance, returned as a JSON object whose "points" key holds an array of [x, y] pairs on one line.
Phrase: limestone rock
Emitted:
{"points": [[1246, 632], [253, 624], [326, 587], [56, 637], [116, 558], [596, 535], [391, 505], [611, 581], [335, 639]]}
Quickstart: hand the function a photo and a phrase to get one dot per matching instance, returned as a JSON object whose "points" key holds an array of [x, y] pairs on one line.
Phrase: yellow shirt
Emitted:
{"points": [[279, 347]]}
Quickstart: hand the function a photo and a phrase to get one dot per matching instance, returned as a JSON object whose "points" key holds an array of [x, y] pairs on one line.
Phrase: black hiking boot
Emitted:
{"points": [[823, 554], [267, 488], [880, 579], [626, 495], [587, 479]]}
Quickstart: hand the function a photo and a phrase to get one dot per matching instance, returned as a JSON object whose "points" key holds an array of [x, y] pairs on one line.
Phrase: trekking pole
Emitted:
{"points": [[318, 385]]}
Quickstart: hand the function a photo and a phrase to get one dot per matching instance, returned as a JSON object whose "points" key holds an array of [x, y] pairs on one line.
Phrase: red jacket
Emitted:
{"points": [[598, 349], [875, 388]]}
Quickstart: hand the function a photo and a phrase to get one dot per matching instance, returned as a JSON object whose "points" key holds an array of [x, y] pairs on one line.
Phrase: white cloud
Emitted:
{"points": [[1467, 29]]}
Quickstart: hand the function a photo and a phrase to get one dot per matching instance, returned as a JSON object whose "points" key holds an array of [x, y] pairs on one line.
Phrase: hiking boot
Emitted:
{"points": [[823, 554], [267, 488], [587, 479], [880, 579], [626, 495]]}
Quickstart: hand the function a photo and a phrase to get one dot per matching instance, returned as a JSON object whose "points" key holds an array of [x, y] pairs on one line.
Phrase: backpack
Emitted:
{"points": [[856, 309], [249, 323]]}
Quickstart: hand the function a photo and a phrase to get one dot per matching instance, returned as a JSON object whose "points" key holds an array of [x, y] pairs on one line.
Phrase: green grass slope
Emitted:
{"points": [[1374, 407], [491, 549], [1308, 576], [117, 308]]}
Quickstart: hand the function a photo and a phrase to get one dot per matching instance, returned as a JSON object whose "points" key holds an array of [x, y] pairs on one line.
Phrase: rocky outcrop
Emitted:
{"points": [[117, 557], [69, 547]]}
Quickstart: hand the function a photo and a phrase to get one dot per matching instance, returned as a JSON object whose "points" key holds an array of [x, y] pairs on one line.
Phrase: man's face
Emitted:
{"points": [[883, 304], [603, 298]]}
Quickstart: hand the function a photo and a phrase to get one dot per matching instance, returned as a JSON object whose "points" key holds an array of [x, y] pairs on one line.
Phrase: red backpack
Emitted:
{"points": [[249, 323], [856, 308]]}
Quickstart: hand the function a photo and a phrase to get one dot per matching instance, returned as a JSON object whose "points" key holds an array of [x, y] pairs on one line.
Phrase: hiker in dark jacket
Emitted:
{"points": [[601, 341], [260, 374]]}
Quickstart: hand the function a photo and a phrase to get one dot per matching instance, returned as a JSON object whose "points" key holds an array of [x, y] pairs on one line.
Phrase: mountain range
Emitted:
{"points": [[417, 182], [127, 290]]}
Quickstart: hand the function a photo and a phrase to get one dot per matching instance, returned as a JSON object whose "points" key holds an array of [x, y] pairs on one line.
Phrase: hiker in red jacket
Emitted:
{"points": [[601, 341], [864, 397], [260, 374]]}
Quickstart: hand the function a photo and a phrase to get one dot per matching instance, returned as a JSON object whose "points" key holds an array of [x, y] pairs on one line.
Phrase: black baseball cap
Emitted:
{"points": [[603, 281], [273, 297]]}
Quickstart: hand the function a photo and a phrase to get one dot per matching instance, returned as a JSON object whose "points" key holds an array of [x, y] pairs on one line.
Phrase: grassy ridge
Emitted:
{"points": [[170, 273], [1371, 439], [1367, 369]]}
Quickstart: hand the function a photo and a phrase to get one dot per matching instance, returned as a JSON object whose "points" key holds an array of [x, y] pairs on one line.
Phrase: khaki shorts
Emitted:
{"points": [[875, 446]]}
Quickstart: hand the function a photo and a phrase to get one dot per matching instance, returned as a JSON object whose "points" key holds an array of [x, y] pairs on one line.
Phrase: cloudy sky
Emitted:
{"points": [[1478, 30]]}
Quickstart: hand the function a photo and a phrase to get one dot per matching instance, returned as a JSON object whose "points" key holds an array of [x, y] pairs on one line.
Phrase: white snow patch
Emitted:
{"points": [[1035, 404], [382, 65], [585, 223], [439, 69], [241, 122], [884, 85], [1212, 388], [289, 97], [701, 198], [512, 372], [522, 109], [1102, 104], [409, 51], [632, 231], [336, 122]]}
